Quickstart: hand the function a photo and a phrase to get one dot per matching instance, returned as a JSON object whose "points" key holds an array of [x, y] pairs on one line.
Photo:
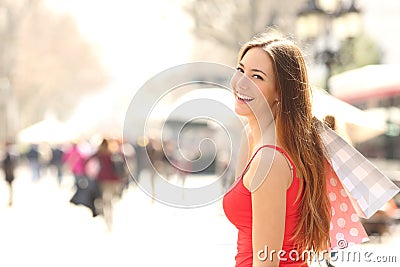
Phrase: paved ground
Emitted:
{"points": [[43, 229]]}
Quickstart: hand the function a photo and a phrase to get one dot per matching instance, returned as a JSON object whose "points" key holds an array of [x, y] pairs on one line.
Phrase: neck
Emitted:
{"points": [[261, 133]]}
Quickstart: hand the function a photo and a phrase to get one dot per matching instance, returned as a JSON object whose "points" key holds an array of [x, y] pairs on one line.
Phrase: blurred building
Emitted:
{"points": [[381, 21], [376, 88]]}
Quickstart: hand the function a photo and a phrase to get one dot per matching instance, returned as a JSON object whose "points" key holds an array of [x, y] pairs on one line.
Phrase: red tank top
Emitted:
{"points": [[238, 209]]}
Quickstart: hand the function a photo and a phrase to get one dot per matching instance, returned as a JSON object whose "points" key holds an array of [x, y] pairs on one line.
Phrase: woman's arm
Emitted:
{"points": [[268, 206]]}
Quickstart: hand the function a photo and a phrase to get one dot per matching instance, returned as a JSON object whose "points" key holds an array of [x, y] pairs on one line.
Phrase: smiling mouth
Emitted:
{"points": [[243, 98]]}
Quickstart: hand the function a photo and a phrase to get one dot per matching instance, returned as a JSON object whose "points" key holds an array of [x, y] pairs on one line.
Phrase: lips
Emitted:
{"points": [[244, 98]]}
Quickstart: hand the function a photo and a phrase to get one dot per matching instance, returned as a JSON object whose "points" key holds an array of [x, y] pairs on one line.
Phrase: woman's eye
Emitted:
{"points": [[258, 77], [240, 69]]}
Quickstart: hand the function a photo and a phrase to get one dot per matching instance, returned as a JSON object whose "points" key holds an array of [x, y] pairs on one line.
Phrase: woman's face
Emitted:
{"points": [[254, 84]]}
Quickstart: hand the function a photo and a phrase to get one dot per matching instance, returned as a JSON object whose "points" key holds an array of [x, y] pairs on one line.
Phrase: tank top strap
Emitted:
{"points": [[285, 154]]}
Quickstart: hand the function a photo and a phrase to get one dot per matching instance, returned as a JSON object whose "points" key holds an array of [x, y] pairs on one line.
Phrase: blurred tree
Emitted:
{"points": [[357, 52], [222, 26], [45, 61]]}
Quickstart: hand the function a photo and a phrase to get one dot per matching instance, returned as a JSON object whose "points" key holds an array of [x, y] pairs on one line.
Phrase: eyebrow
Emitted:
{"points": [[256, 70]]}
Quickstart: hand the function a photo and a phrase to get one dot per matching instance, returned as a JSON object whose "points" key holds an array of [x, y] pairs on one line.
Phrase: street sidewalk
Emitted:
{"points": [[44, 229]]}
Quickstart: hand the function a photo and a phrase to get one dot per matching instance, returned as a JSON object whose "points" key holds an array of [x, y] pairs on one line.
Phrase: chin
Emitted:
{"points": [[242, 112]]}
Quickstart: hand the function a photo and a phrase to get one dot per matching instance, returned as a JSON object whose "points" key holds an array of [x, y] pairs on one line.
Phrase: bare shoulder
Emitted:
{"points": [[269, 168]]}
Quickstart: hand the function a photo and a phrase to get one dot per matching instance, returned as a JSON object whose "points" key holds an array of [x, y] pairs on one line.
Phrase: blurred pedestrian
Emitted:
{"points": [[119, 164], [143, 163], [56, 160], [88, 194], [107, 176], [279, 201], [33, 156], [74, 158], [8, 164], [87, 190], [149, 161], [156, 156]]}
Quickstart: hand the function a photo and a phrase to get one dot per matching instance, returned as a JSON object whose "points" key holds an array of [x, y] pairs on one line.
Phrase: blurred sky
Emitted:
{"points": [[135, 39]]}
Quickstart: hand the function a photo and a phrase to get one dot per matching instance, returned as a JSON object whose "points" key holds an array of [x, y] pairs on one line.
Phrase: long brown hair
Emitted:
{"points": [[298, 134]]}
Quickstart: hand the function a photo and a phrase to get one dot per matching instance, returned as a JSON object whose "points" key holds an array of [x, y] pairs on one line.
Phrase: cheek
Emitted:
{"points": [[262, 93], [264, 101], [269, 93]]}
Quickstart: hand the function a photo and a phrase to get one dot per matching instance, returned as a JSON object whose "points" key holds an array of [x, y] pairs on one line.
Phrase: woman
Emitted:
{"points": [[109, 181], [279, 202]]}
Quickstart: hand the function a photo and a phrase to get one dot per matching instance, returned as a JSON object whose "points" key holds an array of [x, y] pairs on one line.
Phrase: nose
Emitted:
{"points": [[241, 81]]}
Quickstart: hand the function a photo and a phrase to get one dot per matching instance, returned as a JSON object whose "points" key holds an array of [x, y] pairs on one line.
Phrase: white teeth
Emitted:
{"points": [[244, 97]]}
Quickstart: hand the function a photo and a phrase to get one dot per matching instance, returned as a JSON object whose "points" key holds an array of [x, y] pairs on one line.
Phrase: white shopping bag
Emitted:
{"points": [[367, 187]]}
